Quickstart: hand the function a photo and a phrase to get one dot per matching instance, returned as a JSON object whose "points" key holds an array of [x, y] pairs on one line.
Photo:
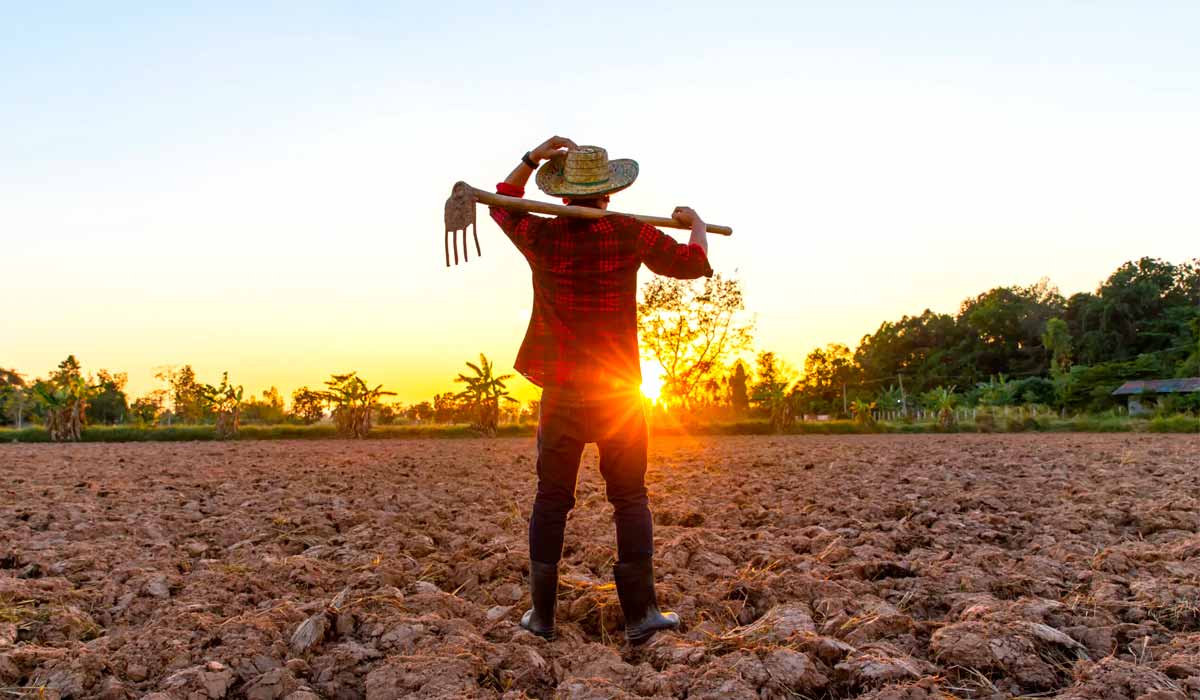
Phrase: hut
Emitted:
{"points": [[1143, 394]]}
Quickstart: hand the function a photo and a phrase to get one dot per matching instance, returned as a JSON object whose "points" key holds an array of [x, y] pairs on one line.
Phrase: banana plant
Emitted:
{"points": [[226, 402], [943, 400], [485, 391], [864, 412], [352, 402], [65, 401]]}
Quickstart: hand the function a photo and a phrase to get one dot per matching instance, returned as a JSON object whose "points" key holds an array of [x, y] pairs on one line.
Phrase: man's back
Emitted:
{"points": [[583, 329]]}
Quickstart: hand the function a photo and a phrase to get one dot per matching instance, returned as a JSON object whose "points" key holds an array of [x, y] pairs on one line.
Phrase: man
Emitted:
{"points": [[581, 347]]}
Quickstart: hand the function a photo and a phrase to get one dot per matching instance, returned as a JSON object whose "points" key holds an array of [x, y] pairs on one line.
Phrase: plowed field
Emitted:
{"points": [[821, 567]]}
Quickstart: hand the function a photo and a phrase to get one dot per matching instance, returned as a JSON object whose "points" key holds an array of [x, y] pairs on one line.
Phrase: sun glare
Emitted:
{"points": [[652, 380]]}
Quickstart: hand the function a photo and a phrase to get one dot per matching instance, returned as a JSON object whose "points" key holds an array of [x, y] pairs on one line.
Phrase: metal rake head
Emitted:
{"points": [[460, 214]]}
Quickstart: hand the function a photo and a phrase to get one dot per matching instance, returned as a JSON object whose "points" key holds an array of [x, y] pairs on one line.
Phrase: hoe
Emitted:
{"points": [[460, 214]]}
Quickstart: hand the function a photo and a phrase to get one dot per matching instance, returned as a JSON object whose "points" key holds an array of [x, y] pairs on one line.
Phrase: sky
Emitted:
{"points": [[258, 187]]}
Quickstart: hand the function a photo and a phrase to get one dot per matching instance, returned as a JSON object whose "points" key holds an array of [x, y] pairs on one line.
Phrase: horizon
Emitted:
{"points": [[260, 191]]}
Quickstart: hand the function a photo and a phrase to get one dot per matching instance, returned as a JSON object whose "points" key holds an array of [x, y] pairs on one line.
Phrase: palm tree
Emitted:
{"points": [[352, 403], [485, 391]]}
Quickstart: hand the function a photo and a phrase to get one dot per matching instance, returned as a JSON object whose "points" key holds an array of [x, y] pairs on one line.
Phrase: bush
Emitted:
{"points": [[1175, 424]]}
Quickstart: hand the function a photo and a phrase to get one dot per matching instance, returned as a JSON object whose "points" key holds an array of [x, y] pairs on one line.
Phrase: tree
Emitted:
{"points": [[420, 411], [942, 400], [64, 397], [739, 396], [146, 409], [1002, 328], [108, 403], [225, 401], [826, 373], [485, 391], [268, 409], [691, 330], [1057, 341], [15, 398], [188, 402], [308, 406], [352, 403], [446, 407], [863, 412], [771, 390], [389, 412]]}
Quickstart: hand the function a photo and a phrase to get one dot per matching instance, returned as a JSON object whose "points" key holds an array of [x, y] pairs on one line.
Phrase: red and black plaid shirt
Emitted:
{"points": [[583, 329]]}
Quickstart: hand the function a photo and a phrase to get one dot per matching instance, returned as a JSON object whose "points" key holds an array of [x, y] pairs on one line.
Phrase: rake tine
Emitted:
{"points": [[446, 241], [454, 239], [475, 233], [466, 248]]}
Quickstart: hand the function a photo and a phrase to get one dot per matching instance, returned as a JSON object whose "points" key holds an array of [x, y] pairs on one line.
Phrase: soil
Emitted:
{"points": [[887, 567]]}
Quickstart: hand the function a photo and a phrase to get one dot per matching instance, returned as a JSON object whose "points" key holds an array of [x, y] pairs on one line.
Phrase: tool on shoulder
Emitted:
{"points": [[460, 215]]}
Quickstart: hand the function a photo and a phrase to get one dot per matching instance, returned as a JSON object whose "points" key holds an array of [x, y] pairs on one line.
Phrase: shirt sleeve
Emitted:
{"points": [[666, 256], [520, 227]]}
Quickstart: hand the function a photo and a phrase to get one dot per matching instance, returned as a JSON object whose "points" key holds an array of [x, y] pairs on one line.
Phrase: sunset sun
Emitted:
{"points": [[652, 380]]}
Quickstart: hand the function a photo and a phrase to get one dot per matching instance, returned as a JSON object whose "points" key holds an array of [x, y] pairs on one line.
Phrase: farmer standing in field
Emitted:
{"points": [[581, 347]]}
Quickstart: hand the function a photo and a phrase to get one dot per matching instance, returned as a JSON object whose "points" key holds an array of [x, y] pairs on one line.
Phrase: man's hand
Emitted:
{"points": [[551, 147], [686, 216]]}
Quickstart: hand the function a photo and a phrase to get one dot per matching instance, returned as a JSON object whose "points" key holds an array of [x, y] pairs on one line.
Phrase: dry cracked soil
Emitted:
{"points": [[897, 567]]}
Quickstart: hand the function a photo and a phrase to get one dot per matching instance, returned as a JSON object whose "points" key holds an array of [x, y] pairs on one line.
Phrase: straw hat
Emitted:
{"points": [[585, 172]]}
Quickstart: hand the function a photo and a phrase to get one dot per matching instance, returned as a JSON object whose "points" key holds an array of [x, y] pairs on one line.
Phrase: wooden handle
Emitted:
{"points": [[529, 205]]}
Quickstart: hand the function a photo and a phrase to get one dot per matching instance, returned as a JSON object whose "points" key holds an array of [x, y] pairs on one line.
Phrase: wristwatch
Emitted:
{"points": [[528, 160]]}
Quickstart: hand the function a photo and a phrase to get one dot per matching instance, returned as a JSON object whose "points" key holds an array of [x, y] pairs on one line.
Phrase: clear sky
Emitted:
{"points": [[258, 187]]}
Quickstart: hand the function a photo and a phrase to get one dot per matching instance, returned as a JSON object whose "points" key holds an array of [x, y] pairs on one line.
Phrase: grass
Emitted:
{"points": [[1181, 423]]}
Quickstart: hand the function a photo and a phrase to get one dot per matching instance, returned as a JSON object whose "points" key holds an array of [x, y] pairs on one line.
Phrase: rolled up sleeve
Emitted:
{"points": [[520, 227], [666, 256]]}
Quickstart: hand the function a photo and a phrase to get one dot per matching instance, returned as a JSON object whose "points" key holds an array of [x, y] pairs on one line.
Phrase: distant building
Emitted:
{"points": [[1143, 393]]}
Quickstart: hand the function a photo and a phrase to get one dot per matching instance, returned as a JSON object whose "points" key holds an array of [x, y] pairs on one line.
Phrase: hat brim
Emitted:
{"points": [[551, 180]]}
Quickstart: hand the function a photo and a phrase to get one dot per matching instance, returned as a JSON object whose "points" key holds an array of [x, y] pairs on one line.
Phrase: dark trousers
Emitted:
{"points": [[617, 425]]}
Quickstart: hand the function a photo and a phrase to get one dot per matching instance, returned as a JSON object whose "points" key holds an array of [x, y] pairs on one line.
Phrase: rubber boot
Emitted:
{"points": [[635, 589], [543, 589]]}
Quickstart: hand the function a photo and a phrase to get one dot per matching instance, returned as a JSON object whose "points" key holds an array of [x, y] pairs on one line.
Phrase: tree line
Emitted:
{"points": [[67, 400], [1008, 346], [1014, 345]]}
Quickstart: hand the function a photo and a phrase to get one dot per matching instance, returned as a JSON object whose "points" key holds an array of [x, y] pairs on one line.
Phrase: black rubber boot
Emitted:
{"points": [[635, 589], [543, 589]]}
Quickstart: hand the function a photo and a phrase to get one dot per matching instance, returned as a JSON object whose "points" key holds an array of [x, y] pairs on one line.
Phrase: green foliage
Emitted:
{"points": [[225, 402], [826, 371], [863, 412], [1057, 341], [64, 400], [422, 412], [308, 406], [186, 394], [739, 395], [484, 392], [352, 403], [1090, 387], [691, 329], [107, 403], [1176, 424], [770, 392], [268, 409], [147, 409]]}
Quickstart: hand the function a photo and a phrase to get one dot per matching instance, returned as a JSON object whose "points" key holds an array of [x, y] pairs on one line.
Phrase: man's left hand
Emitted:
{"points": [[551, 147]]}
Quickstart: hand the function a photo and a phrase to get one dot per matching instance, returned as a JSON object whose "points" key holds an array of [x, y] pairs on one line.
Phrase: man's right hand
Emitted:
{"points": [[686, 216]]}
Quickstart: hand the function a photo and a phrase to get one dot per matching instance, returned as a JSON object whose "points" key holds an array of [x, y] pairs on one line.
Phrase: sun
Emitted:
{"points": [[652, 380]]}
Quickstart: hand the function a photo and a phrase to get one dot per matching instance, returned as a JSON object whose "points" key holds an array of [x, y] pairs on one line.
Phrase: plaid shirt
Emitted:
{"points": [[583, 330]]}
